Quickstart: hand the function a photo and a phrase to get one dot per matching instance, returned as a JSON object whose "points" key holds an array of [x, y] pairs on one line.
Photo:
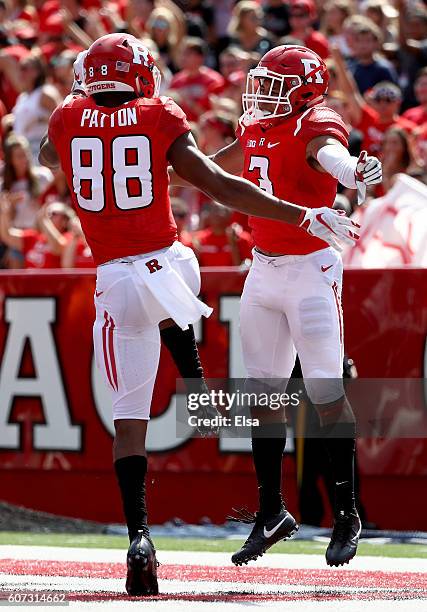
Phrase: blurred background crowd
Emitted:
{"points": [[376, 51]]}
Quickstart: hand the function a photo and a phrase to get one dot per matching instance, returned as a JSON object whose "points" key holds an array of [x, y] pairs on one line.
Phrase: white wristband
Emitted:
{"points": [[336, 160]]}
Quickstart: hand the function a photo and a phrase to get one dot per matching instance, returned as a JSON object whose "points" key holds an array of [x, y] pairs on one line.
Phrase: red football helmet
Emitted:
{"points": [[287, 79], [119, 62]]}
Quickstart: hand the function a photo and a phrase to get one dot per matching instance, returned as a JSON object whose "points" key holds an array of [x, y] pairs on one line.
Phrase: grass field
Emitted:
{"points": [[196, 545]]}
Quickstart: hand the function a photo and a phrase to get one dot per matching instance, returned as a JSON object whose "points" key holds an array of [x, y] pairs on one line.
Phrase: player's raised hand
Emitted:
{"points": [[330, 225]]}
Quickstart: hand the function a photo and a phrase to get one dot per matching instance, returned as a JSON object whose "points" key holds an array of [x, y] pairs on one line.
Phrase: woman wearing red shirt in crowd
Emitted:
{"points": [[222, 243], [42, 247]]}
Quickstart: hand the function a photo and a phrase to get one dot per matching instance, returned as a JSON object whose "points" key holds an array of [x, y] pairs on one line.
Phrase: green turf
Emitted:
{"points": [[293, 546]]}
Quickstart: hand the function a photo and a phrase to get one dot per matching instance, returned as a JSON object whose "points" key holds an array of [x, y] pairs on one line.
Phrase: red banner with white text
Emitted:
{"points": [[55, 414]]}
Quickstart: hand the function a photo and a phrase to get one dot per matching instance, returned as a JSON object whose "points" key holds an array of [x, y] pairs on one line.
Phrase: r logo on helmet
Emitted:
{"points": [[139, 54], [309, 66]]}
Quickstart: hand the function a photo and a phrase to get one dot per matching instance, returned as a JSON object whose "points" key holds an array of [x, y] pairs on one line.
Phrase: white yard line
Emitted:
{"points": [[103, 555]]}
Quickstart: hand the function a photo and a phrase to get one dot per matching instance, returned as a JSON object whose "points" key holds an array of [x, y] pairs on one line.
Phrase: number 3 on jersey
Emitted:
{"points": [[131, 165], [261, 163]]}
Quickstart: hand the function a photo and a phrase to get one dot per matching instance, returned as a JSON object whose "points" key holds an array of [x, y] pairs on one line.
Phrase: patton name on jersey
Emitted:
{"points": [[94, 118]]}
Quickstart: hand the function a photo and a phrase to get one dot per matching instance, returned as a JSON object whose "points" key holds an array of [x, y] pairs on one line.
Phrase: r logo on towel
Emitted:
{"points": [[153, 265]]}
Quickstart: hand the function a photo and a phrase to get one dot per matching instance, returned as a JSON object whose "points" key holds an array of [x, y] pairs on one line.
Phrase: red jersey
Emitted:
{"points": [[37, 251], [373, 129], [275, 160], [115, 161]]}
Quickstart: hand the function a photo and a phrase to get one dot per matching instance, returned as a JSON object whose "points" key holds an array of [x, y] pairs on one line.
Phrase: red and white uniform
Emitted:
{"points": [[115, 161], [292, 303], [275, 160]]}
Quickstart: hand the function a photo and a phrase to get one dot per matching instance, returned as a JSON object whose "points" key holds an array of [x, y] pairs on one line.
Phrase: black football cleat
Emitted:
{"points": [[142, 566], [265, 533], [344, 539]]}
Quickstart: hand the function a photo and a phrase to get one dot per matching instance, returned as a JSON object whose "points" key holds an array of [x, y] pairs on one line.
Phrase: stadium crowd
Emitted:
{"points": [[376, 52]]}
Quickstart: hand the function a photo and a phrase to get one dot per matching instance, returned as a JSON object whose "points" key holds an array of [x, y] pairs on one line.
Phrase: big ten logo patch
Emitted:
{"points": [[153, 265]]}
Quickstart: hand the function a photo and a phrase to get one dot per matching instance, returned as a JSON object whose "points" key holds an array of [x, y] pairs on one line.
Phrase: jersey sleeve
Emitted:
{"points": [[173, 122], [323, 121], [56, 126]]}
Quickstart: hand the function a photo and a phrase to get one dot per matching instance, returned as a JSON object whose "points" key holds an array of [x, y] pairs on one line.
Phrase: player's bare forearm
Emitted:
{"points": [[48, 155], [232, 191]]}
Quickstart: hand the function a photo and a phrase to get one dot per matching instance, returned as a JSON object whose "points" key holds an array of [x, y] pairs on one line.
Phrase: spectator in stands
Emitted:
{"points": [[375, 118], [412, 45], [334, 16], [366, 67], [380, 12], [76, 253], [200, 16], [418, 114], [301, 19], [276, 17], [62, 71], [217, 130], [222, 243], [397, 156], [41, 247], [233, 59], [245, 28], [195, 81], [23, 181], [162, 28], [10, 56], [35, 104], [181, 213]]}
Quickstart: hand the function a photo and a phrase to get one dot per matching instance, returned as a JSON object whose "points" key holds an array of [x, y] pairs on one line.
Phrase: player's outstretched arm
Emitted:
{"points": [[229, 158], [193, 166]]}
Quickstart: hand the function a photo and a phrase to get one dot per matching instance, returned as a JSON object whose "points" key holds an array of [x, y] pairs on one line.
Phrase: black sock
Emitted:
{"points": [[267, 456], [182, 346], [130, 472], [340, 443]]}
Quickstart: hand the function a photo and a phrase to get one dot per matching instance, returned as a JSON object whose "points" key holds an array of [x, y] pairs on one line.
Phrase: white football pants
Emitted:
{"points": [[292, 304], [131, 299]]}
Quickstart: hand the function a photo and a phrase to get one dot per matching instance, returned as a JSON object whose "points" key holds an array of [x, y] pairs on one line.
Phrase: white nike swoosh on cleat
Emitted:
{"points": [[270, 145], [268, 534]]}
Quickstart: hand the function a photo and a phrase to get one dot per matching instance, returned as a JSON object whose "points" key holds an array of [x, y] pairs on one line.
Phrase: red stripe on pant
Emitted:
{"points": [[338, 304], [112, 356], [105, 348]]}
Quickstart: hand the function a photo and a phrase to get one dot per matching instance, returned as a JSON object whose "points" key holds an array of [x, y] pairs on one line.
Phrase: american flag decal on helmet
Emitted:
{"points": [[122, 66]]}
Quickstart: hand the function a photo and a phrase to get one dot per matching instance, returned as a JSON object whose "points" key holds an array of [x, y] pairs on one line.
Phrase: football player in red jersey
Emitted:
{"points": [[292, 146], [114, 146]]}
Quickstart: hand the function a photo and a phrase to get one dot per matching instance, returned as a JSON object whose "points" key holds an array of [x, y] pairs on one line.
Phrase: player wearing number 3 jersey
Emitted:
{"points": [[114, 145], [290, 145]]}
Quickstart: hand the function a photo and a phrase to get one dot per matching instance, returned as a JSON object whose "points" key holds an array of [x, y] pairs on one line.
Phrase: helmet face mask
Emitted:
{"points": [[287, 80], [119, 62], [268, 94]]}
